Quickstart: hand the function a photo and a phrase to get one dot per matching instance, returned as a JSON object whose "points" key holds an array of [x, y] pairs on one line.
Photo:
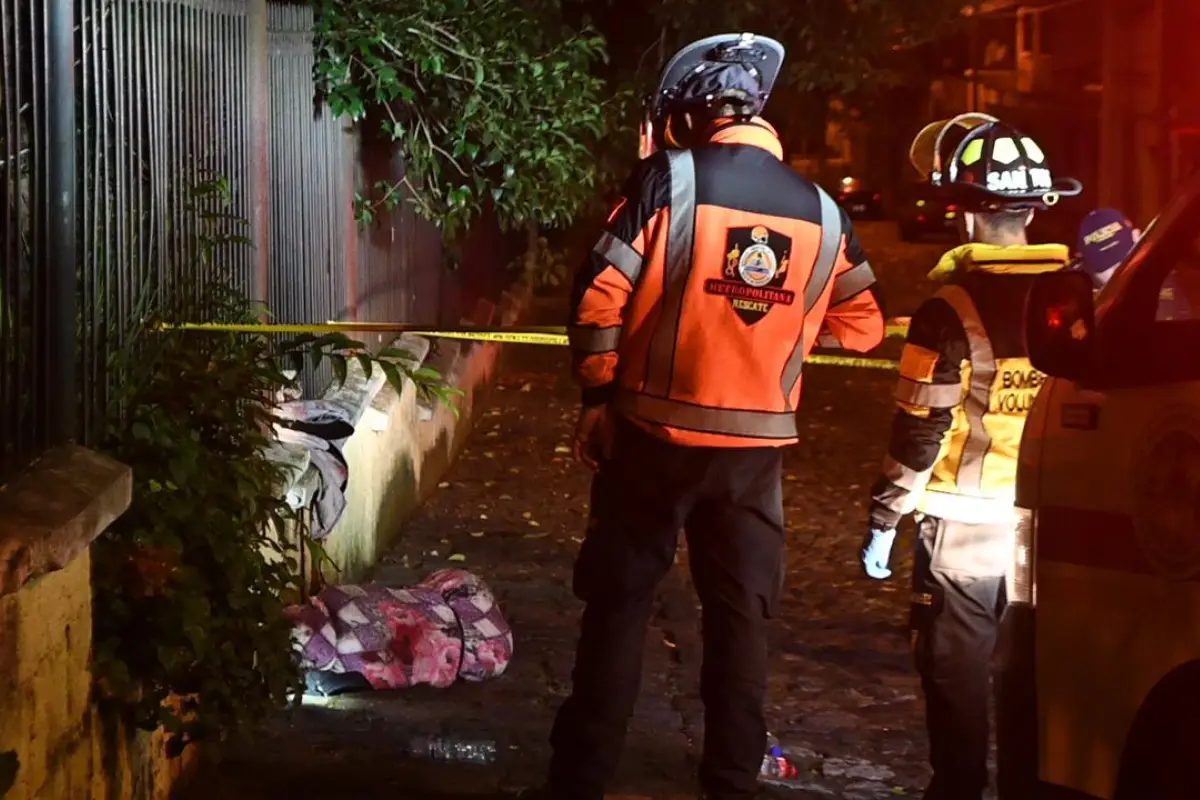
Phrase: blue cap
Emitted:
{"points": [[1105, 238]]}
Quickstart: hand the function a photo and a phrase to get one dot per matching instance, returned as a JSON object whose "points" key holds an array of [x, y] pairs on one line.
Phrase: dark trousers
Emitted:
{"points": [[955, 622], [729, 502]]}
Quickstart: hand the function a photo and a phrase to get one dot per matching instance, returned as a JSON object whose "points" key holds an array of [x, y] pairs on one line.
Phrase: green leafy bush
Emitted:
{"points": [[191, 582]]}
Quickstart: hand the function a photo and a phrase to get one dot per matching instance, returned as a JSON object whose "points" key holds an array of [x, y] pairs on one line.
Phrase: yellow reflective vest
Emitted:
{"points": [[966, 387]]}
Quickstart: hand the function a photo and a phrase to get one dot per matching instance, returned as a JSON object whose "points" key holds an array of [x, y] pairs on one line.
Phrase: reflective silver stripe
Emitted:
{"points": [[905, 477], [828, 340], [818, 280], [851, 282], [680, 240], [723, 421], [931, 395], [831, 239], [983, 370], [621, 255], [906, 486], [963, 508], [978, 548], [594, 340]]}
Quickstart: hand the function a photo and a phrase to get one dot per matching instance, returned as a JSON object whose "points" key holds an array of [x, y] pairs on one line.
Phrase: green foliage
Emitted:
{"points": [[488, 101], [190, 583], [834, 46], [545, 265]]}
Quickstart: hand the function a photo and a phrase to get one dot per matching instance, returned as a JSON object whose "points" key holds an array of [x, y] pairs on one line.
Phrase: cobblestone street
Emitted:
{"points": [[844, 700]]}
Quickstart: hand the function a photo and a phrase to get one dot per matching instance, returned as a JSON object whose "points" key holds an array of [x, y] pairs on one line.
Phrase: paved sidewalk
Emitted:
{"points": [[844, 698]]}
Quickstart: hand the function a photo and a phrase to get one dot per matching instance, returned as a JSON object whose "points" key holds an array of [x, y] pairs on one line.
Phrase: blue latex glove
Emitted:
{"points": [[877, 549]]}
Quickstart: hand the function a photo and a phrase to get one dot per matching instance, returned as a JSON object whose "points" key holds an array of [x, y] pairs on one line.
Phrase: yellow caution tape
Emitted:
{"points": [[542, 335], [852, 361], [550, 335]]}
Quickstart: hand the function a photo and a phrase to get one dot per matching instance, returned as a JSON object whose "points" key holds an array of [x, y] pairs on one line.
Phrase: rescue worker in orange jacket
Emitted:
{"points": [[690, 322], [966, 387]]}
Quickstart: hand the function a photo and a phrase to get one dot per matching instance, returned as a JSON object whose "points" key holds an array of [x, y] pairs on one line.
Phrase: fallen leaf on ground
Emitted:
{"points": [[444, 485], [476, 534], [457, 557]]}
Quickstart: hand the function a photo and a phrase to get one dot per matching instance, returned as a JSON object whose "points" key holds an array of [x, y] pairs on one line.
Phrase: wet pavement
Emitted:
{"points": [[844, 700]]}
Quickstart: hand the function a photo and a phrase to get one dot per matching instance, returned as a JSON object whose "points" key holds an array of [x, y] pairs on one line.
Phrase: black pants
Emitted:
{"points": [[729, 502], [955, 622]]}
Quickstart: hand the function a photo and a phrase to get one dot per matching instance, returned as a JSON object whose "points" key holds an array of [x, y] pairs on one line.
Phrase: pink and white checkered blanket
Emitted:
{"points": [[445, 628]]}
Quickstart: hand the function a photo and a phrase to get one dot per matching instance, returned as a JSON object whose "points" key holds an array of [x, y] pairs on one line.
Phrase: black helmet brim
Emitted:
{"points": [[979, 198]]}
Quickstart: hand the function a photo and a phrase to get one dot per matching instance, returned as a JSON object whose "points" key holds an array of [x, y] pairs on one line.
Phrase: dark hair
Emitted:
{"points": [[731, 103], [1008, 221]]}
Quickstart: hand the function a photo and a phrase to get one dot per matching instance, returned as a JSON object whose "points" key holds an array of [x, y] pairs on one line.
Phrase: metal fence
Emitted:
{"points": [[113, 112], [36, 240], [163, 109]]}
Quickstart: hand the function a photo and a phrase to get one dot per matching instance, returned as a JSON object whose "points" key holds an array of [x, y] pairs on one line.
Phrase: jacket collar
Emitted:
{"points": [[756, 132], [1027, 259]]}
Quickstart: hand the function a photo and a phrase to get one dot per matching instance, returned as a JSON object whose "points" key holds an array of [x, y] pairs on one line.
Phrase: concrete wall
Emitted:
{"points": [[401, 448], [54, 744]]}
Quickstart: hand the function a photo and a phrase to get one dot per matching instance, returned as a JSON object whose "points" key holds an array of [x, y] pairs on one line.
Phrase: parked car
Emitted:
{"points": [[1099, 674], [922, 212], [858, 201]]}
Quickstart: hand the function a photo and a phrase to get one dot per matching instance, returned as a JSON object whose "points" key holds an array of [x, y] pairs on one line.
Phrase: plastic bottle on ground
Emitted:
{"points": [[775, 765]]}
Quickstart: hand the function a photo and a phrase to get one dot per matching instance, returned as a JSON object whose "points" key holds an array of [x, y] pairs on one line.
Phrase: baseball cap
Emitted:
{"points": [[1105, 237]]}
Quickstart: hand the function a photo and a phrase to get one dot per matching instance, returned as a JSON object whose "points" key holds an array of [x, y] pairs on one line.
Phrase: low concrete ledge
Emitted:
{"points": [[51, 514], [406, 444]]}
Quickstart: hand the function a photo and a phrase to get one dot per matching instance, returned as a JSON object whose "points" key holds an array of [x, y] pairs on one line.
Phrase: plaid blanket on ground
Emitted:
{"points": [[445, 628]]}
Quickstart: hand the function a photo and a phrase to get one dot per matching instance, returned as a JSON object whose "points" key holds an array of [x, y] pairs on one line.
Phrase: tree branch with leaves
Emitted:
{"points": [[488, 102]]}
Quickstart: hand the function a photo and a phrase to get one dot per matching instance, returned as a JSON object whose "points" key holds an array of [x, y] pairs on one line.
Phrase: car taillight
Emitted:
{"points": [[1022, 580], [878, 197], [951, 208]]}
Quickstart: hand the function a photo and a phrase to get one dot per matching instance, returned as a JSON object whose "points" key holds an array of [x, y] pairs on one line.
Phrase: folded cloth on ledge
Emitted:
{"points": [[318, 425], [445, 628]]}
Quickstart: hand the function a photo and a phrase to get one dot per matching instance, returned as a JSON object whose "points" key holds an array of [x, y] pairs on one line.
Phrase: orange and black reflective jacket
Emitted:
{"points": [[714, 278], [965, 390]]}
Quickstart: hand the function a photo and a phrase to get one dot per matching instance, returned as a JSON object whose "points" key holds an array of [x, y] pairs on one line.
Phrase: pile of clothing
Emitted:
{"points": [[322, 427], [357, 638]]}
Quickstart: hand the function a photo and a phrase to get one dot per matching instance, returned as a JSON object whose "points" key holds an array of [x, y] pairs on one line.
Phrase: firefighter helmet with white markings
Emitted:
{"points": [[986, 165]]}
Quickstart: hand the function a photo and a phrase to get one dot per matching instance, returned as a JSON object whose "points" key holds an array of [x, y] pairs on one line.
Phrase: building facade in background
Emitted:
{"points": [[1110, 88]]}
